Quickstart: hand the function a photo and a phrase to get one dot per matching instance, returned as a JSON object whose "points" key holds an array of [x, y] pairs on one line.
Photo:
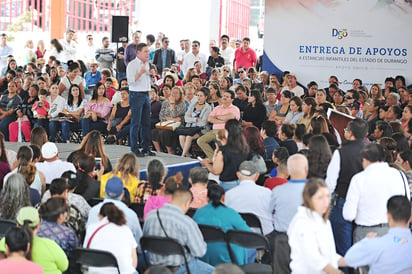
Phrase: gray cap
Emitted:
{"points": [[248, 168]]}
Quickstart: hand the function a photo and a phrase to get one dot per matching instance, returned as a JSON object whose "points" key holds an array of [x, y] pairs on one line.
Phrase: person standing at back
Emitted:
{"points": [[345, 163]]}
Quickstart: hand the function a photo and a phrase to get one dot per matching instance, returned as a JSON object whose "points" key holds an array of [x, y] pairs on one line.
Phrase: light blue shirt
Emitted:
{"points": [[388, 254], [284, 203], [131, 218]]}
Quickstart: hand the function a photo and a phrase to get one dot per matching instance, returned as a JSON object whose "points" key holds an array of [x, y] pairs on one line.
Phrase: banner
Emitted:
{"points": [[367, 39]]}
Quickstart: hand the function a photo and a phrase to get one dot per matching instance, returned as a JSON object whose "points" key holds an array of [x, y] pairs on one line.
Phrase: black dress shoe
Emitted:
{"points": [[139, 153]]}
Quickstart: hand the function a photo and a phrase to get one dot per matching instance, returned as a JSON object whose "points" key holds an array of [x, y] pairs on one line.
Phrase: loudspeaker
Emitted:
{"points": [[120, 29]]}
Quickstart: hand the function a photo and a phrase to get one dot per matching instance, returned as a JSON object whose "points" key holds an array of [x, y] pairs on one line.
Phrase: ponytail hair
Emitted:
{"points": [[113, 214], [215, 193], [28, 230]]}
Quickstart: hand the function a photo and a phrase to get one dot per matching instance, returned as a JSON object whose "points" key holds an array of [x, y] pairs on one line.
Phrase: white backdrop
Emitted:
{"points": [[367, 39]]}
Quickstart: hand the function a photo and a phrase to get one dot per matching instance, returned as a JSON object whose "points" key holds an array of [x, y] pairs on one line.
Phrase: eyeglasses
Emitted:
{"points": [[348, 97], [195, 46], [225, 70]]}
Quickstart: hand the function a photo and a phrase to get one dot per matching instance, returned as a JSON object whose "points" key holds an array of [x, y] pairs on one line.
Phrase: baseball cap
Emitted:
{"points": [[248, 168], [114, 187], [29, 214], [49, 150]]}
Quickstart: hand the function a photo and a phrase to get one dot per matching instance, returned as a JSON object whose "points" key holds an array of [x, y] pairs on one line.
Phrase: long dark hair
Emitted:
{"points": [[70, 98], [254, 140], [57, 45], [96, 88], [86, 165], [113, 214], [258, 97], [155, 172], [236, 140], [3, 152], [319, 156]]}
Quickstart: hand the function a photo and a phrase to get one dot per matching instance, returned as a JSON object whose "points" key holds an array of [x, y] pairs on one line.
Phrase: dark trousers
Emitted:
{"points": [[140, 120], [281, 256]]}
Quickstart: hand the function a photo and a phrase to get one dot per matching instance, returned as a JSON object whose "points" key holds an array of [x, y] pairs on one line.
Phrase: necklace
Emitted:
{"points": [[201, 104]]}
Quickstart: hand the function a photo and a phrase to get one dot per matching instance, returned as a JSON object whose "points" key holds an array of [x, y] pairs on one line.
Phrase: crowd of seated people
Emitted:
{"points": [[266, 141]]}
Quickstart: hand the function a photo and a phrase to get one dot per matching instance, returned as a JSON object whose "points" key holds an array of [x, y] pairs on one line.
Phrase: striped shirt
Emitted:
{"points": [[179, 227]]}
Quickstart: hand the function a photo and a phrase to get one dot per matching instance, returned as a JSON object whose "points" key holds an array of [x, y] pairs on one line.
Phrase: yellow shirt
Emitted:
{"points": [[130, 185]]}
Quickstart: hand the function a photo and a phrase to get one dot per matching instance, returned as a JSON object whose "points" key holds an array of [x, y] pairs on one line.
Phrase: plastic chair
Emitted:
{"points": [[5, 225], [95, 258], [252, 221], [163, 246], [250, 240]]}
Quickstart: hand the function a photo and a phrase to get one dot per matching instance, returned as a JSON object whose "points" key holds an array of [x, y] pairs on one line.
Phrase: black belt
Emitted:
{"points": [[378, 225], [140, 91]]}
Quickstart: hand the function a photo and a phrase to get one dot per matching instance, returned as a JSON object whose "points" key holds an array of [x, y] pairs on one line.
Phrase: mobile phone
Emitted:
{"points": [[98, 164]]}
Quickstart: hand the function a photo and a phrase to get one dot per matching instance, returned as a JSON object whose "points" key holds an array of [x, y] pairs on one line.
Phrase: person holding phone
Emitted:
{"points": [[88, 169]]}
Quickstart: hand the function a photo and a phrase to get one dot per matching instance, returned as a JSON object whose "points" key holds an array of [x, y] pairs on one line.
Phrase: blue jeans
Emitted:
{"points": [[120, 76], [53, 128], [342, 229], [140, 120], [42, 123], [4, 125], [229, 185], [67, 127], [196, 266]]}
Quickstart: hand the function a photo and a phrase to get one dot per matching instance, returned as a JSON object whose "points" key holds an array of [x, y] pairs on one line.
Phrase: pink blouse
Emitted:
{"points": [[154, 202], [102, 108]]}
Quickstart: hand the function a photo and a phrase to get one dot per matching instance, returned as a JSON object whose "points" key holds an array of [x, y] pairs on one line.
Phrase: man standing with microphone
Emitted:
{"points": [[138, 77]]}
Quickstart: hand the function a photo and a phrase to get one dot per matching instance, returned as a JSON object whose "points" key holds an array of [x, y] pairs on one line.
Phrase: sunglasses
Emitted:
{"points": [[348, 97], [225, 70], [241, 71]]}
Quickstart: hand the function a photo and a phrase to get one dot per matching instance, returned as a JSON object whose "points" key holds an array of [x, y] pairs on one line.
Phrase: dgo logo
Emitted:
{"points": [[339, 33]]}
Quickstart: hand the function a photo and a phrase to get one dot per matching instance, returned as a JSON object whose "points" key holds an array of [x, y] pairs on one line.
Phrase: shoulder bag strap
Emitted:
{"points": [[94, 233], [164, 230], [161, 224], [404, 185]]}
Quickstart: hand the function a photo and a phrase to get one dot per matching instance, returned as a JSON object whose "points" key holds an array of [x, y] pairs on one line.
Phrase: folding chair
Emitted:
{"points": [[250, 240], [163, 246], [5, 225], [252, 221], [191, 212], [95, 258], [212, 234]]}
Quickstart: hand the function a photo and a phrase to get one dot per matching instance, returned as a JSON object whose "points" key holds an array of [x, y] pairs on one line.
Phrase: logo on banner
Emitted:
{"points": [[340, 33]]}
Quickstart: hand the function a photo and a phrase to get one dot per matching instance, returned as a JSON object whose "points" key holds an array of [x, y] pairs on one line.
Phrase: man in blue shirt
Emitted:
{"points": [[93, 76], [390, 253]]}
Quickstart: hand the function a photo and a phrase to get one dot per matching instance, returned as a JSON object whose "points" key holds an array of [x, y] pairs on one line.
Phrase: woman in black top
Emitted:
{"points": [[119, 121], [228, 158], [255, 113]]}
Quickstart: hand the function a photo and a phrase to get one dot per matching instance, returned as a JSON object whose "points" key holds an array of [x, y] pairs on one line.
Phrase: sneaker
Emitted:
{"points": [[149, 153]]}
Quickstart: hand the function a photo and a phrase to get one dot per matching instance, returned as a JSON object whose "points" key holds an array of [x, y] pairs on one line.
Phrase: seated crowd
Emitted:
{"points": [[267, 147]]}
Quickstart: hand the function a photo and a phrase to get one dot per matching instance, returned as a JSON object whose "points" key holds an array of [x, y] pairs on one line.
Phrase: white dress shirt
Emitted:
{"points": [[143, 82], [190, 59], [332, 174], [251, 198], [311, 243], [228, 56], [369, 192], [69, 51]]}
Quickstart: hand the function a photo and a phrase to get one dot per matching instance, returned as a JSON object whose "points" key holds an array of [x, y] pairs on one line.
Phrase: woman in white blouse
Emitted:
{"points": [[73, 111], [310, 233], [72, 77], [113, 235]]}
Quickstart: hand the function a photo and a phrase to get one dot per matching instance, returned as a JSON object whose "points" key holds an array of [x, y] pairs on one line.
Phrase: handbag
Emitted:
{"points": [[168, 125], [188, 131]]}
